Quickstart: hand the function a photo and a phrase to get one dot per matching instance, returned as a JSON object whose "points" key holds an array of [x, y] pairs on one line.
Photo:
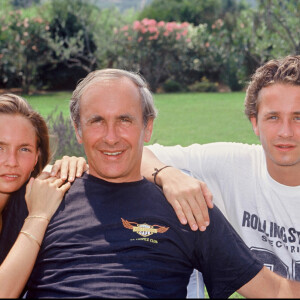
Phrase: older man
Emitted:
{"points": [[115, 235]]}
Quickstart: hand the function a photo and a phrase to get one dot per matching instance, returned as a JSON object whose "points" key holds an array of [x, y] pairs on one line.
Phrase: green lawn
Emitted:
{"points": [[201, 118], [46, 103], [184, 118]]}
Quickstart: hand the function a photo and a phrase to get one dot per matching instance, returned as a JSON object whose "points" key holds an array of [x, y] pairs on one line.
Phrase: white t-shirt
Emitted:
{"points": [[264, 212]]}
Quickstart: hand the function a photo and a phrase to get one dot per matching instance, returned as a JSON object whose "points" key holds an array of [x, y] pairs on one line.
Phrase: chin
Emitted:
{"points": [[10, 188], [286, 163]]}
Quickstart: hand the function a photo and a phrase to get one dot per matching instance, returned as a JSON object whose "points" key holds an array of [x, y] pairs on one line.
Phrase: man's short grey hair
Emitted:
{"points": [[148, 108]]}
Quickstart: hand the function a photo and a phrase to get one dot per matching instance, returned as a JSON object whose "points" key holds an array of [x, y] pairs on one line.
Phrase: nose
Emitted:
{"points": [[11, 159], [111, 136], [286, 129]]}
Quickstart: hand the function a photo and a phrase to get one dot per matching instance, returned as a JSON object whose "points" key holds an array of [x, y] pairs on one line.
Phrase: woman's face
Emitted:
{"points": [[18, 151]]}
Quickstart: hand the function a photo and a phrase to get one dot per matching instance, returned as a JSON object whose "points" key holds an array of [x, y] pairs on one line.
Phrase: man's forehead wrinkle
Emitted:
{"points": [[105, 82]]}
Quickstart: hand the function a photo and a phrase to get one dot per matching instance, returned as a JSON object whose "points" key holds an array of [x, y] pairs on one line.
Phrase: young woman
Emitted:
{"points": [[27, 202]]}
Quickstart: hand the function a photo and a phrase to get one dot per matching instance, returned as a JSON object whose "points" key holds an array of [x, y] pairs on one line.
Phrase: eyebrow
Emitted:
{"points": [[126, 116], [21, 145], [94, 118], [99, 118], [277, 113]]}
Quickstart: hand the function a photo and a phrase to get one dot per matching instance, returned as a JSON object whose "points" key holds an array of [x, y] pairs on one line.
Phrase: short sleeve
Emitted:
{"points": [[223, 258]]}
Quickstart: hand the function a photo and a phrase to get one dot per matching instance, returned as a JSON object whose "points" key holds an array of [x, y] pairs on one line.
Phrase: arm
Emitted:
{"points": [[43, 197], [188, 196], [69, 167], [267, 284]]}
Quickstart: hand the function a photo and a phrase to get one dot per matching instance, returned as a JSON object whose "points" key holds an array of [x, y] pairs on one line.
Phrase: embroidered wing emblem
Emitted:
{"points": [[128, 225], [144, 229]]}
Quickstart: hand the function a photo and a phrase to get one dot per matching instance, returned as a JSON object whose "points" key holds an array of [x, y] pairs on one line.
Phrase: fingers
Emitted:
{"points": [[189, 199], [54, 181], [59, 183], [29, 187], [82, 166], [207, 194], [195, 212], [56, 167], [65, 187], [179, 212], [200, 211], [44, 175], [45, 179], [69, 167], [186, 209]]}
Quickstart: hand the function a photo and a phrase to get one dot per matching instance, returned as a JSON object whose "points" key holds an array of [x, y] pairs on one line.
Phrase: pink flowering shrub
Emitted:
{"points": [[23, 48], [156, 49]]}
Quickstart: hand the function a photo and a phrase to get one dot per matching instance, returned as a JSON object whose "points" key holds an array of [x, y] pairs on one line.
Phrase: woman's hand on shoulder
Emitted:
{"points": [[69, 167], [44, 194]]}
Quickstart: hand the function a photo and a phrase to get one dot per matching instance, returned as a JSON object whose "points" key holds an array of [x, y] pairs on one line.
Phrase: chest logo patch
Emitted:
{"points": [[144, 229]]}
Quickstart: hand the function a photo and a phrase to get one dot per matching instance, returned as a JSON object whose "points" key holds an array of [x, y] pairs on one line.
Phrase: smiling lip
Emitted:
{"points": [[285, 147], [112, 153], [10, 177]]}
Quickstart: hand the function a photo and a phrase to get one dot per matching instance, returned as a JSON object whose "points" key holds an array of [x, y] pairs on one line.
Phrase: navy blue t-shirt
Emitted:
{"points": [[124, 240]]}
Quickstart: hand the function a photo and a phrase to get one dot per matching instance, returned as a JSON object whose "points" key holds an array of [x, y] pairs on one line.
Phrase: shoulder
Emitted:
{"points": [[223, 147], [212, 148]]}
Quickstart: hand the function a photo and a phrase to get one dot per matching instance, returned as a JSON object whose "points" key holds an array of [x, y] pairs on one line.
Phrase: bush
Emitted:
{"points": [[172, 86], [23, 49], [63, 139], [157, 50], [204, 86]]}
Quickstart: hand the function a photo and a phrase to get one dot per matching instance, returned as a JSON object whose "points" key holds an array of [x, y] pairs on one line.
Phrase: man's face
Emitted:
{"points": [[278, 126], [112, 130]]}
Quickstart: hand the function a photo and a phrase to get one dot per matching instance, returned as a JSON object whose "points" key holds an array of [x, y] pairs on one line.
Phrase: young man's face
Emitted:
{"points": [[112, 130], [278, 126]]}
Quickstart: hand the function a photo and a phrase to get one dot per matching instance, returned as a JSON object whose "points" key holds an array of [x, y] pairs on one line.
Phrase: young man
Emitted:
{"points": [[257, 187], [115, 235]]}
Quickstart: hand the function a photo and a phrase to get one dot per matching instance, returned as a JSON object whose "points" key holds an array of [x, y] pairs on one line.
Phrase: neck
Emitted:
{"points": [[286, 175]]}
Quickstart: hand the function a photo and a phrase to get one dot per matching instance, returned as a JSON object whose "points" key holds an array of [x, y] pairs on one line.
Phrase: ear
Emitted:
{"points": [[78, 134], [253, 121], [148, 130]]}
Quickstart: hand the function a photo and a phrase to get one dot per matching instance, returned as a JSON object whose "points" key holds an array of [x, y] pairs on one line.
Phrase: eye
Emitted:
{"points": [[272, 118], [126, 120], [95, 121], [297, 118], [25, 149]]}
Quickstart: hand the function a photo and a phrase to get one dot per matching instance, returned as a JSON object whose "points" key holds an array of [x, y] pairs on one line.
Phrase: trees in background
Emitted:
{"points": [[23, 49], [59, 43], [158, 50], [54, 43]]}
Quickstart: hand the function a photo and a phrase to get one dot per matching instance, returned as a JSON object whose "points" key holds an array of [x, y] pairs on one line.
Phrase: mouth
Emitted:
{"points": [[285, 147], [112, 153], [9, 177]]}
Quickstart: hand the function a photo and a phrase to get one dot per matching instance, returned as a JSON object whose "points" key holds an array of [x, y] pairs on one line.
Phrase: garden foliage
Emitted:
{"points": [[52, 44], [158, 50], [62, 136]]}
